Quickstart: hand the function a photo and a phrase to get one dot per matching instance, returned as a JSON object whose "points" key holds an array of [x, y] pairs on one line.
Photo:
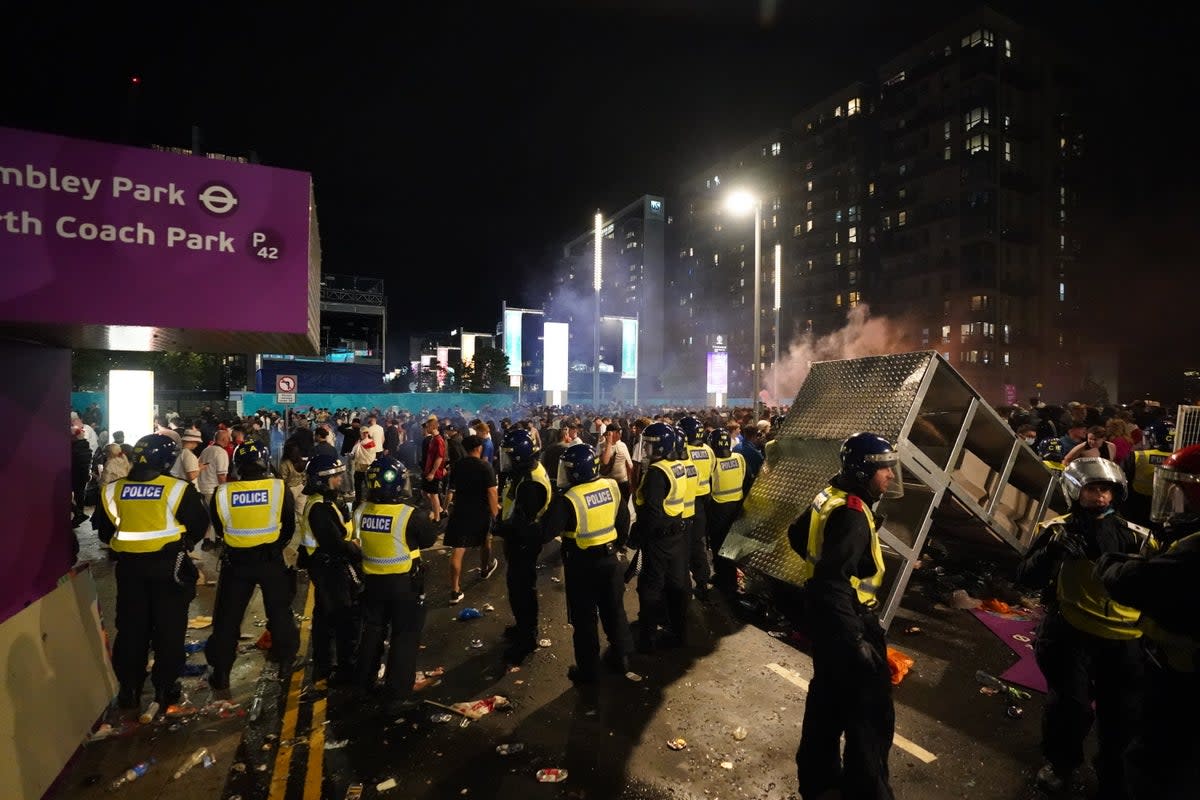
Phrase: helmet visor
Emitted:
{"points": [[891, 460], [1170, 492]]}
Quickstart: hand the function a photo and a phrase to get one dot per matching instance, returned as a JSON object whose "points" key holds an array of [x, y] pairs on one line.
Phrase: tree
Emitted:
{"points": [[89, 368], [487, 373]]}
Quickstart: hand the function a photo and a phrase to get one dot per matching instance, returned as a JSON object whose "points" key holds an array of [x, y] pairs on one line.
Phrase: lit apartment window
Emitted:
{"points": [[977, 143], [968, 357], [810, 265], [853, 299], [1060, 340], [988, 330], [976, 116], [871, 189], [1006, 332], [924, 337], [887, 222], [980, 302], [853, 106], [968, 330], [852, 213], [1062, 292], [716, 259], [1062, 241], [903, 193], [1008, 48], [1007, 122], [1062, 195], [837, 301], [1008, 151], [1062, 215], [985, 357], [1062, 144], [837, 215], [946, 131], [808, 325], [796, 231], [808, 206], [810, 186], [716, 180], [901, 219], [895, 79], [808, 165], [855, 255], [1005, 359], [903, 169], [776, 148], [979, 37], [945, 334], [837, 258], [837, 112], [946, 153], [808, 225], [837, 237], [852, 277], [852, 235]]}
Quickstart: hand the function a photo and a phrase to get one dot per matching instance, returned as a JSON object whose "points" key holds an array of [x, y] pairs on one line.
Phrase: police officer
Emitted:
{"points": [[1052, 454], [851, 689], [151, 521], [724, 504], [330, 554], [1163, 760], [587, 515], [663, 585], [524, 502], [391, 536], [1139, 469], [1087, 644], [256, 517], [697, 563], [699, 466]]}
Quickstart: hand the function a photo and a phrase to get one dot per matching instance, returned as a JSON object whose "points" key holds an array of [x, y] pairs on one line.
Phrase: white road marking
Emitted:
{"points": [[908, 746]]}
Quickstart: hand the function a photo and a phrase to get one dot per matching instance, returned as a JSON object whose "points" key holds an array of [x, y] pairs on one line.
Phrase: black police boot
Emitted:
{"points": [[168, 696], [617, 663], [129, 697], [218, 681], [579, 675]]}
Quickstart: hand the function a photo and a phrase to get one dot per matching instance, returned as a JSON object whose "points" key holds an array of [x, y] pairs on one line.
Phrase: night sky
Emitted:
{"points": [[454, 147]]}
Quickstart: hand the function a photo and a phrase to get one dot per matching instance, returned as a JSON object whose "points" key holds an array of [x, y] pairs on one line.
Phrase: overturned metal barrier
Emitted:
{"points": [[965, 471]]}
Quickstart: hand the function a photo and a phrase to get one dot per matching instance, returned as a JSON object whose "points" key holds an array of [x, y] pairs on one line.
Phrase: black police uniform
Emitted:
{"points": [[154, 592], [595, 585], [524, 535], [337, 583], [393, 610], [664, 585], [243, 568]]}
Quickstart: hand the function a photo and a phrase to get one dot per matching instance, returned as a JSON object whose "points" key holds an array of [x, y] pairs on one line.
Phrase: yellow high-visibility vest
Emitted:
{"points": [[1144, 464], [509, 502], [143, 513], [826, 501], [596, 504], [727, 478], [1084, 602], [675, 472], [307, 539], [383, 530], [251, 512], [690, 480], [702, 456]]}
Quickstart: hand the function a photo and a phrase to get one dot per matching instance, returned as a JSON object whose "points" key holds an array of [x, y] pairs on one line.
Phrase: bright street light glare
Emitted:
{"points": [[741, 202]]}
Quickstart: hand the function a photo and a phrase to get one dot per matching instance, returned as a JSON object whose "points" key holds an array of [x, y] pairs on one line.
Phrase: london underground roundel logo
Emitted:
{"points": [[217, 199]]}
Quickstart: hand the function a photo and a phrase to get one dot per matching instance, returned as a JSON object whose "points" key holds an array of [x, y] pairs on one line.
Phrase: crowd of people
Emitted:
{"points": [[354, 497]]}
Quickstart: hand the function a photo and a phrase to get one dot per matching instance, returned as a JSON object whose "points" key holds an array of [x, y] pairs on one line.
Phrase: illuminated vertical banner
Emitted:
{"points": [[443, 361], [629, 348], [468, 348], [131, 402], [512, 340], [554, 349], [718, 373]]}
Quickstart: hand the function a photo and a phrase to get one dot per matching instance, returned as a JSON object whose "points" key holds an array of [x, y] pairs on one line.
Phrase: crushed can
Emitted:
{"points": [[552, 775]]}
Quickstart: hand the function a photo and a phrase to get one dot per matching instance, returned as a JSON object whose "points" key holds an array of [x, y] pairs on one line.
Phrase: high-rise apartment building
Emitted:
{"points": [[943, 195]]}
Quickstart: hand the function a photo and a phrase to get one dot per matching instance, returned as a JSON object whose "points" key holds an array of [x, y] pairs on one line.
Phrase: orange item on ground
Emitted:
{"points": [[899, 664], [999, 606], [264, 641]]}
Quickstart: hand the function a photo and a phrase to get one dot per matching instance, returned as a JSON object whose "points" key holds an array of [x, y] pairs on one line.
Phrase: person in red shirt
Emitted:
{"points": [[433, 471]]}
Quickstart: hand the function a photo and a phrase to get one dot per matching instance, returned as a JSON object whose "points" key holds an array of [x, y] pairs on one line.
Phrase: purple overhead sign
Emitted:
{"points": [[96, 235]]}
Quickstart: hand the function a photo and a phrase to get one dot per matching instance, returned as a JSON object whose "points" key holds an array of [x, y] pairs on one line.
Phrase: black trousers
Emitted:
{"points": [[1163, 760], [697, 531], [845, 699], [241, 571], [392, 609], [623, 520], [521, 577], [720, 518], [1081, 668], [663, 586], [154, 592], [595, 586], [335, 616]]}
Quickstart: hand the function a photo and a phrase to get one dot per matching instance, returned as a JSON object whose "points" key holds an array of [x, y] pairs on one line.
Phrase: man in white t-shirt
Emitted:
{"points": [[187, 466], [376, 432]]}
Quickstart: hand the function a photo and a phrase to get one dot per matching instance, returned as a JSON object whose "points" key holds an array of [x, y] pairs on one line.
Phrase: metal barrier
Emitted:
{"points": [[966, 473]]}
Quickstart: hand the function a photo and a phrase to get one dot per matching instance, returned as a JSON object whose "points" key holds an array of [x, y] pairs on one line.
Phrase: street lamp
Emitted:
{"points": [[778, 293], [597, 238], [740, 202]]}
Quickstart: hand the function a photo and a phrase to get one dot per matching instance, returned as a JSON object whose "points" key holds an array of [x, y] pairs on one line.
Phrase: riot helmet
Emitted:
{"points": [[864, 454], [658, 441], [320, 472], [156, 452], [386, 480], [1085, 471], [251, 459], [1051, 450], [522, 450], [720, 443], [693, 430], [580, 463], [1177, 485]]}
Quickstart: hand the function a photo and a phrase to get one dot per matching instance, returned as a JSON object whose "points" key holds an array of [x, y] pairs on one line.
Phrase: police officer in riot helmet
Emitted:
{"points": [[331, 556], [392, 535], [699, 466], [724, 504], [1163, 758], [851, 692], [526, 497], [151, 521], [587, 514], [1087, 643], [659, 533]]}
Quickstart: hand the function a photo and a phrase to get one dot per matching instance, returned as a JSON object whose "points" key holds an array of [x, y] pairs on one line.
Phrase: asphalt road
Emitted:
{"points": [[736, 696]]}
